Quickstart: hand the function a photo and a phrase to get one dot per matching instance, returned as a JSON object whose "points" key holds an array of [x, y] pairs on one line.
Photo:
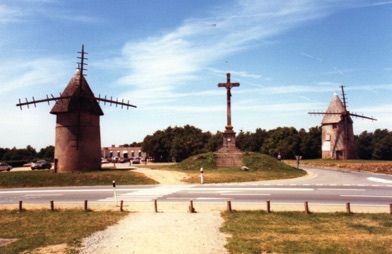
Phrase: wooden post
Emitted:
{"points": [[307, 208], [85, 206], [390, 209], [52, 205], [268, 206], [191, 208], [229, 206], [348, 208], [121, 206], [20, 206], [156, 205]]}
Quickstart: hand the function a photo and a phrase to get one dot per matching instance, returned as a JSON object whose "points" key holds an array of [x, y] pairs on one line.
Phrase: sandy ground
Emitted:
{"points": [[167, 232], [164, 176]]}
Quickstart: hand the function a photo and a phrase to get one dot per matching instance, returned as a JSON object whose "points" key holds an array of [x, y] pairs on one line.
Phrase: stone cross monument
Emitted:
{"points": [[228, 155], [229, 134]]}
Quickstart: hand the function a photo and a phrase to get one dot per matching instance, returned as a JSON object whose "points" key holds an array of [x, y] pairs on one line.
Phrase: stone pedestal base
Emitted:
{"points": [[228, 155], [228, 158]]}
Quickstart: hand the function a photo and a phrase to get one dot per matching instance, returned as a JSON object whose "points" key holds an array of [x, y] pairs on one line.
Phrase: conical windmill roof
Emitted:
{"points": [[335, 111], [76, 98]]}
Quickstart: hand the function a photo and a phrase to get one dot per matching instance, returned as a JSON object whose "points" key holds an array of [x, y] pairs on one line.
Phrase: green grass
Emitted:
{"points": [[295, 232], [47, 178], [34, 229], [261, 167]]}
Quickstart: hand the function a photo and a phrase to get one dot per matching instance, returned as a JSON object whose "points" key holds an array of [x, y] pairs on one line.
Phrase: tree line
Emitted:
{"points": [[374, 146], [18, 157], [179, 143]]}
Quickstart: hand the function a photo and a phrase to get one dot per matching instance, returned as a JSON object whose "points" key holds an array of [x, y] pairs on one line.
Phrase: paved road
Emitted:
{"points": [[320, 186]]}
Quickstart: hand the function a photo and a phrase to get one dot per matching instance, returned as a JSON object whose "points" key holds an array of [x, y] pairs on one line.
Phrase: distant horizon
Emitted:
{"points": [[168, 57]]}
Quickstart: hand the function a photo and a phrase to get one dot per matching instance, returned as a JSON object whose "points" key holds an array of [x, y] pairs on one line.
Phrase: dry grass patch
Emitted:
{"points": [[384, 167], [41, 228], [295, 232]]}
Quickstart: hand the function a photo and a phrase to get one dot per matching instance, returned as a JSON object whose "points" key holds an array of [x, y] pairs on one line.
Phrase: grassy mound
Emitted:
{"points": [[260, 167], [205, 161]]}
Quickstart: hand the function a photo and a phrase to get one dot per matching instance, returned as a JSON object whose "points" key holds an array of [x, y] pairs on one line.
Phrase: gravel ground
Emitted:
{"points": [[172, 231], [168, 232]]}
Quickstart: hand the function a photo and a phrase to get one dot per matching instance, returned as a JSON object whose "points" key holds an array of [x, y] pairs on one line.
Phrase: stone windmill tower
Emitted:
{"points": [[337, 138], [78, 138]]}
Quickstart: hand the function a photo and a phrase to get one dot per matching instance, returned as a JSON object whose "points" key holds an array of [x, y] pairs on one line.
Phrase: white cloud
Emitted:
{"points": [[9, 15], [163, 63], [23, 73]]}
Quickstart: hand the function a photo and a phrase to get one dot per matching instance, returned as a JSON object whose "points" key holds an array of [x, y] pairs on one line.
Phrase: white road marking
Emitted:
{"points": [[42, 195], [54, 191], [244, 194], [147, 194], [380, 180], [326, 189], [366, 196], [252, 189]]}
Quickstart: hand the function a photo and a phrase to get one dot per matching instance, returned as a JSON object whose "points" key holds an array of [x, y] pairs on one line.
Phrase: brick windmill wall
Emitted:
{"points": [[78, 138]]}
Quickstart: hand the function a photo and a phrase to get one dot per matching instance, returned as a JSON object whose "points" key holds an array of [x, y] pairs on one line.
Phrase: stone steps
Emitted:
{"points": [[228, 159]]}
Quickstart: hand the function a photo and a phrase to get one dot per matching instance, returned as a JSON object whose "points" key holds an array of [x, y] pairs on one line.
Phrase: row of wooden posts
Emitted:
{"points": [[193, 210]]}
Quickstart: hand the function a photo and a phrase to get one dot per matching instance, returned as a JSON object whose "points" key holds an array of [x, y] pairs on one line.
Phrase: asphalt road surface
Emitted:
{"points": [[321, 186]]}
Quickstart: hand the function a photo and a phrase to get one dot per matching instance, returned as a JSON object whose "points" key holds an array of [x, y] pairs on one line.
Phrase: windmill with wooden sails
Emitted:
{"points": [[77, 110], [337, 138]]}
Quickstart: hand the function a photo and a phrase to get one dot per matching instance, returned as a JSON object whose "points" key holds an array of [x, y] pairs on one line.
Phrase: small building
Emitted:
{"points": [[122, 153]]}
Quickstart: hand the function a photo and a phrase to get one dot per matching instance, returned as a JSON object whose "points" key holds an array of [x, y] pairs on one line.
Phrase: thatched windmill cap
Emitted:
{"points": [[77, 96], [335, 111]]}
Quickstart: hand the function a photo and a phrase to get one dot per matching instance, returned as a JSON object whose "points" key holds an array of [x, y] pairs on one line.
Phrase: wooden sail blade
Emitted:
{"points": [[362, 116], [115, 102], [27, 103]]}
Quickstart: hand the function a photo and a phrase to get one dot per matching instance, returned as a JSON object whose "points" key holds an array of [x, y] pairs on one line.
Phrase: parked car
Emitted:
{"points": [[136, 161], [5, 166], [42, 164], [122, 160]]}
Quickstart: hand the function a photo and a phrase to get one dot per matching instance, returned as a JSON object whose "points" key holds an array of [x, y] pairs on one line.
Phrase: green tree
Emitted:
{"points": [[251, 142], [15, 154], [284, 141], [311, 143], [214, 142], [364, 145], [187, 141], [46, 153], [382, 144]]}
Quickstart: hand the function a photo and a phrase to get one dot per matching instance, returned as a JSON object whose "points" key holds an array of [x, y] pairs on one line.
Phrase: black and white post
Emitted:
{"points": [[114, 192], [201, 175]]}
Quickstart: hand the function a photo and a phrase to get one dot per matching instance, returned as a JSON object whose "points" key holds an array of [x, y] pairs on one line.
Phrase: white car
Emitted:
{"points": [[5, 167]]}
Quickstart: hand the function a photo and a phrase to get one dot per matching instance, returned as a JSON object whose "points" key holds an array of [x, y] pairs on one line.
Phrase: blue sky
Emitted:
{"points": [[167, 57]]}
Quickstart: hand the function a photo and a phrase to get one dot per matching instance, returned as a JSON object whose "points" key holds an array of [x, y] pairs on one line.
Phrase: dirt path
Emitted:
{"points": [[168, 232], [165, 232], [163, 176]]}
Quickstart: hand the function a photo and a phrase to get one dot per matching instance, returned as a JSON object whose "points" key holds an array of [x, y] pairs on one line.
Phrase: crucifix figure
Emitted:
{"points": [[228, 155], [228, 86]]}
